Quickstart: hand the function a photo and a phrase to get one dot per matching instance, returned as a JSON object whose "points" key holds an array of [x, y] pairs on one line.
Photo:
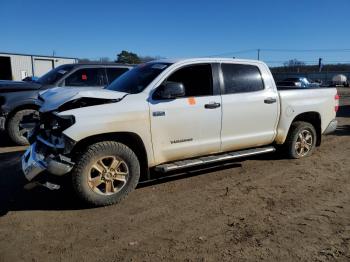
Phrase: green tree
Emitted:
{"points": [[125, 57]]}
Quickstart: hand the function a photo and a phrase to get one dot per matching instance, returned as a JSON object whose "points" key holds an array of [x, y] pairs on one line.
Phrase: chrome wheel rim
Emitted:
{"points": [[108, 175], [304, 143]]}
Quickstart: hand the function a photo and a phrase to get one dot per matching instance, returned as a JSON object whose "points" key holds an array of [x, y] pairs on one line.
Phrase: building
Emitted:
{"points": [[19, 66]]}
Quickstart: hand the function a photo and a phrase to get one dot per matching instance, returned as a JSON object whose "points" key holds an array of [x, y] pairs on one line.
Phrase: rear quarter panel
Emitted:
{"points": [[296, 102]]}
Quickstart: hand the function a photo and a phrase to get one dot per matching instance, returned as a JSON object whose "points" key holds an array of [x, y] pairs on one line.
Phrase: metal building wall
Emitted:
{"points": [[26, 63], [62, 61], [18, 64]]}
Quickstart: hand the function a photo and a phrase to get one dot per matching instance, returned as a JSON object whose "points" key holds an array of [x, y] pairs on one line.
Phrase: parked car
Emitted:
{"points": [[168, 115], [18, 99], [302, 82]]}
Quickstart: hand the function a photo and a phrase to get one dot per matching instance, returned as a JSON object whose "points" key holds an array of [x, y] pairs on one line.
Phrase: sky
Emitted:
{"points": [[282, 29]]}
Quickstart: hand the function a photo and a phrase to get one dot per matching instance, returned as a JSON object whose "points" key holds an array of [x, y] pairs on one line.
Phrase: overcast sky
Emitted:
{"points": [[93, 29]]}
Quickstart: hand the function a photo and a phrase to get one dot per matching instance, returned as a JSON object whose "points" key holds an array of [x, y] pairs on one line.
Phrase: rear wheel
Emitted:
{"points": [[17, 133], [301, 140], [106, 173]]}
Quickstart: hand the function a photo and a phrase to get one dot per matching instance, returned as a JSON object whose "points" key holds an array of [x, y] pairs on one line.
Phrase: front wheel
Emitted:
{"points": [[301, 140], [106, 173], [16, 132]]}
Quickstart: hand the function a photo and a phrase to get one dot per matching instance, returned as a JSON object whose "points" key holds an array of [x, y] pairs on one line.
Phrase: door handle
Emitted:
{"points": [[212, 105], [270, 100]]}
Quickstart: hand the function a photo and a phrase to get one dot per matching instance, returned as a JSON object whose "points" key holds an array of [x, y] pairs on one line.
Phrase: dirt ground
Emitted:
{"points": [[263, 208]]}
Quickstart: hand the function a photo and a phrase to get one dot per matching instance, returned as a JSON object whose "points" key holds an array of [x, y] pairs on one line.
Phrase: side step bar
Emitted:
{"points": [[163, 168]]}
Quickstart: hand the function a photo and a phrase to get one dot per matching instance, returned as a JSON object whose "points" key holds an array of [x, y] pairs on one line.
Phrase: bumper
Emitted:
{"points": [[331, 127], [2, 123], [34, 163]]}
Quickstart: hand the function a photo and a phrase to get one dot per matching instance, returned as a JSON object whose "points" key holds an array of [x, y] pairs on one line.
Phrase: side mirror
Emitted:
{"points": [[171, 90]]}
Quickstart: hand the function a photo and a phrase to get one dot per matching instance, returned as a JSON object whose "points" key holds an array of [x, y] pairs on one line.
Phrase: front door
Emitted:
{"points": [[188, 126]]}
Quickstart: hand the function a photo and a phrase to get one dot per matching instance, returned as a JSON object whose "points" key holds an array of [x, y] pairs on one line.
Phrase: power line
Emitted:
{"points": [[235, 52], [306, 50], [259, 50]]}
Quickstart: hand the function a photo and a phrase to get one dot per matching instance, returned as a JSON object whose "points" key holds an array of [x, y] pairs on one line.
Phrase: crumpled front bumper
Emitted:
{"points": [[34, 163]]}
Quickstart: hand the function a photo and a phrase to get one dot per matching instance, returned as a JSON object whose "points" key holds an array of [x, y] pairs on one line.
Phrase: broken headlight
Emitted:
{"points": [[56, 123]]}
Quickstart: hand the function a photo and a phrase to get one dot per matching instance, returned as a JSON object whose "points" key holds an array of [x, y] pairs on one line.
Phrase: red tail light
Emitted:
{"points": [[336, 98]]}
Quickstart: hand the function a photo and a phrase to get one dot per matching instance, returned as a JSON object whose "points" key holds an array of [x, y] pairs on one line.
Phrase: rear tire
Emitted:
{"points": [[301, 140], [105, 173], [15, 132]]}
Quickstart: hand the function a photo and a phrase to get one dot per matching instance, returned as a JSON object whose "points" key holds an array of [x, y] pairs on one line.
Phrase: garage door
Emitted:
{"points": [[42, 66]]}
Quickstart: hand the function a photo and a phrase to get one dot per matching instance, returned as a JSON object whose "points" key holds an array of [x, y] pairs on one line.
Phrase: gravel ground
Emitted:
{"points": [[262, 208]]}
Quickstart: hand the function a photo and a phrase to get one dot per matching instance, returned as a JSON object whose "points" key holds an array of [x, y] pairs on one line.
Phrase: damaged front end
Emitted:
{"points": [[50, 149]]}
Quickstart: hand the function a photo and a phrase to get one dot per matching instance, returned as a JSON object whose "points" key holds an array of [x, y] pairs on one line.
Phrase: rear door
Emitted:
{"points": [[250, 107], [188, 126]]}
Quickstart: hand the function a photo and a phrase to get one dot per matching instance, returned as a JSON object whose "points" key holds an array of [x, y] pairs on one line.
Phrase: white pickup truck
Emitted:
{"points": [[167, 115]]}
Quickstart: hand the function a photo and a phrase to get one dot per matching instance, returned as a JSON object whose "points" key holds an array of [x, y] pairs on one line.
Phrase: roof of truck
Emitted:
{"points": [[206, 59], [101, 64]]}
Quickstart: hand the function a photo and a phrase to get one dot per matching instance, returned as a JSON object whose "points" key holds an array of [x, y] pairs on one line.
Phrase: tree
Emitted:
{"points": [[125, 57]]}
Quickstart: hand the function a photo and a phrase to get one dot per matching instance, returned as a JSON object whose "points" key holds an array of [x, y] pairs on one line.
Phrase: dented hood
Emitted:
{"points": [[54, 98]]}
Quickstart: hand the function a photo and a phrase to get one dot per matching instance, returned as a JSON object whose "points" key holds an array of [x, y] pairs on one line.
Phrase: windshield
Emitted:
{"points": [[137, 79], [54, 75]]}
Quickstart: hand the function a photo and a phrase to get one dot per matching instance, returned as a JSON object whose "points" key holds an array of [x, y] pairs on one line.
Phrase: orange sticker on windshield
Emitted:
{"points": [[191, 101]]}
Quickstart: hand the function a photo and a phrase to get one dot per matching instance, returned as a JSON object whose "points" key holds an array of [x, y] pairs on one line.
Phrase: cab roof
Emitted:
{"points": [[206, 60]]}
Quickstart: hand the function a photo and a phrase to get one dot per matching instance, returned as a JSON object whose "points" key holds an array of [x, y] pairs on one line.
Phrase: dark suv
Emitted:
{"points": [[18, 99]]}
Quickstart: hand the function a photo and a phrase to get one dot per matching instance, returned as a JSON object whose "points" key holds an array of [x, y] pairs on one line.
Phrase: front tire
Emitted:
{"points": [[301, 140], [16, 133], [105, 173]]}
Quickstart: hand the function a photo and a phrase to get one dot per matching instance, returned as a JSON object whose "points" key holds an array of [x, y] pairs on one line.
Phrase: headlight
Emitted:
{"points": [[61, 123], [54, 123]]}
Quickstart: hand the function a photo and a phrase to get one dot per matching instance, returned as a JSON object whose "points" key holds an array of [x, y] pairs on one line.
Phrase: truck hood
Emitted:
{"points": [[15, 86], [66, 98]]}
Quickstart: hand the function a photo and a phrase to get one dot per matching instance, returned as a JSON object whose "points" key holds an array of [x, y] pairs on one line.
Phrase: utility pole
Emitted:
{"points": [[320, 64], [53, 53], [258, 54]]}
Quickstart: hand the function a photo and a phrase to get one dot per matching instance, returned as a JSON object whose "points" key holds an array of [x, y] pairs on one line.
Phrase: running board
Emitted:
{"points": [[212, 159]]}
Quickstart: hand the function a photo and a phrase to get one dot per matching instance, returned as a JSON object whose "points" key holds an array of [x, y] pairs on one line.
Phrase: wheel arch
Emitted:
{"points": [[130, 139], [19, 108], [314, 118]]}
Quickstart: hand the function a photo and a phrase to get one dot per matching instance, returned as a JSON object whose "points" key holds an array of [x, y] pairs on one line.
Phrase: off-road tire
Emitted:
{"points": [[83, 165], [13, 128], [290, 144]]}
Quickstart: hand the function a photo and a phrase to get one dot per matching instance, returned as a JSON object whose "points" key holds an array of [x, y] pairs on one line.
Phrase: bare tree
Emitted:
{"points": [[294, 63]]}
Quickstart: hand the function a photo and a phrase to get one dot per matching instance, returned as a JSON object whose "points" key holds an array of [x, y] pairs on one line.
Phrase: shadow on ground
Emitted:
{"points": [[343, 130], [14, 198]]}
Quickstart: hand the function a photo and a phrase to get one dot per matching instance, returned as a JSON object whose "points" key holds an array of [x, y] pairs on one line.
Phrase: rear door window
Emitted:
{"points": [[239, 78], [86, 77], [114, 73]]}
